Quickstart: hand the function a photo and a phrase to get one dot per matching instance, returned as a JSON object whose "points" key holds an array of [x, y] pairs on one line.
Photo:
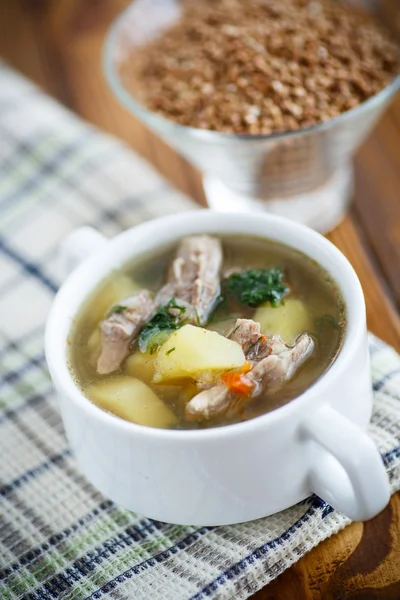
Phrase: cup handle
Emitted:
{"points": [[347, 470], [77, 247]]}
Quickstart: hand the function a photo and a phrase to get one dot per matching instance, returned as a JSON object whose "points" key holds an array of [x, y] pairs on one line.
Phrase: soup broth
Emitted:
{"points": [[173, 372]]}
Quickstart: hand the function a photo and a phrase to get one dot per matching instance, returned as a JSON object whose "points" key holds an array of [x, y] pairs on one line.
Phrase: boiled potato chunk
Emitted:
{"points": [[288, 320], [94, 341], [116, 289], [133, 400], [141, 365], [94, 345], [191, 351]]}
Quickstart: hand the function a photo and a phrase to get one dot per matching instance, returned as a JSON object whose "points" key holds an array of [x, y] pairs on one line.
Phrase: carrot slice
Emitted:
{"points": [[236, 383]]}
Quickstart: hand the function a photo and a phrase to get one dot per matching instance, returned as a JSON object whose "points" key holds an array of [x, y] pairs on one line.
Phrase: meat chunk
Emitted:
{"points": [[246, 332], [282, 362], [209, 404], [118, 331], [194, 276], [278, 366]]}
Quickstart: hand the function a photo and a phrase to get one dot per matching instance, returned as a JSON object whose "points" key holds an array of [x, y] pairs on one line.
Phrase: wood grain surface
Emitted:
{"points": [[57, 43]]}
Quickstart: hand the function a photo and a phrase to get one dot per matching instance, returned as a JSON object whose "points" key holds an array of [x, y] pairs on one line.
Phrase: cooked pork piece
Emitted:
{"points": [[194, 276], [280, 365], [246, 332], [118, 331], [210, 403]]}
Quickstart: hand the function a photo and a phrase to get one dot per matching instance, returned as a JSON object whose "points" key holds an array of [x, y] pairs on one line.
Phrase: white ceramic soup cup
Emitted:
{"points": [[314, 444]]}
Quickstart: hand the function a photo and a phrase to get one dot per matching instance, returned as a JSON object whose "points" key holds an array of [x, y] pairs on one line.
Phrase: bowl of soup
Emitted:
{"points": [[213, 371]]}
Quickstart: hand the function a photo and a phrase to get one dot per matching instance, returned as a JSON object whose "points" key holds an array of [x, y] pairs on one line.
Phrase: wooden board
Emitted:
{"points": [[58, 44]]}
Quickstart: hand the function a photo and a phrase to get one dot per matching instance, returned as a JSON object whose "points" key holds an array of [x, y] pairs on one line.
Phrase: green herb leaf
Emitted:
{"points": [[155, 339], [255, 286], [170, 350], [173, 304], [116, 309], [161, 325], [198, 322]]}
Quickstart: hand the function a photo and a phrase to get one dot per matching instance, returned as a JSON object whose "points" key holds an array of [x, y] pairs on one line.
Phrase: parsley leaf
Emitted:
{"points": [[255, 286], [168, 318]]}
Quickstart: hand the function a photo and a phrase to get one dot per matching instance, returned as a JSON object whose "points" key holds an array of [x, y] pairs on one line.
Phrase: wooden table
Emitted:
{"points": [[58, 45]]}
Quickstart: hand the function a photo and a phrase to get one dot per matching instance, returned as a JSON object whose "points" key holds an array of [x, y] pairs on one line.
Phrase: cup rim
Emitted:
{"points": [[83, 277], [172, 128]]}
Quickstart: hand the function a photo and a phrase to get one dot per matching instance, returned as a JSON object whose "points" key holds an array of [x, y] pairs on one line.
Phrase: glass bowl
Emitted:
{"points": [[305, 175]]}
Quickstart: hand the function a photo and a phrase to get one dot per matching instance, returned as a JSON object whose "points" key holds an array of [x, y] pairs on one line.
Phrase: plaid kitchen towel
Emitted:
{"points": [[59, 537]]}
